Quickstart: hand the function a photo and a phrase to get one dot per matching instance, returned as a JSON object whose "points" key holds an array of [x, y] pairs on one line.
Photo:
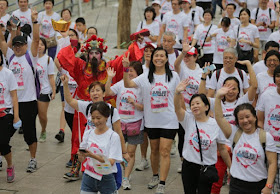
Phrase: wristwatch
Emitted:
{"points": [[270, 186]]}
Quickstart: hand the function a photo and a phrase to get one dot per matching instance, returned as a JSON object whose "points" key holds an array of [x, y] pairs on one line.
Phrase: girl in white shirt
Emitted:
{"points": [[158, 87], [248, 171], [98, 143], [45, 69], [130, 107]]}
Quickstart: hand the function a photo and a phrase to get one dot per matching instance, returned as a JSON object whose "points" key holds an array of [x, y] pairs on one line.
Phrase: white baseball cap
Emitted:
{"points": [[156, 2]]}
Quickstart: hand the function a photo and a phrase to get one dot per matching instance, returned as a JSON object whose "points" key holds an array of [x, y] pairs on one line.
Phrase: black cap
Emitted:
{"points": [[19, 40]]}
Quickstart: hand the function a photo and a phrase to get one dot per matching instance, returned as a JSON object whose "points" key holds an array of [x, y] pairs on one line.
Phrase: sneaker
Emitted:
{"points": [[143, 165], [71, 176], [125, 184], [179, 170], [160, 189], [60, 136], [10, 175], [43, 137], [32, 166], [173, 148], [20, 131], [69, 164], [154, 182]]}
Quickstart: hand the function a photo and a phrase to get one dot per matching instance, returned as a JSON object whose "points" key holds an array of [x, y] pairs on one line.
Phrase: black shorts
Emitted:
{"points": [[157, 133], [6, 125], [45, 97]]}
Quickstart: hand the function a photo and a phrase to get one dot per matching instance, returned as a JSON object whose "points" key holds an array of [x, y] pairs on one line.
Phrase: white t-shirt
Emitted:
{"points": [[176, 23], [45, 21], [194, 77], [251, 5], [269, 104], [237, 10], [210, 135], [145, 68], [233, 22], [172, 58], [5, 19], [259, 67], [158, 20], [221, 44], [24, 17], [7, 84], [45, 69], [200, 12], [249, 32], [228, 107], [24, 76], [107, 144], [263, 16], [82, 105], [223, 75], [199, 35], [275, 36], [72, 84], [248, 156], [165, 6], [158, 98], [192, 22], [265, 82], [153, 28], [127, 111]]}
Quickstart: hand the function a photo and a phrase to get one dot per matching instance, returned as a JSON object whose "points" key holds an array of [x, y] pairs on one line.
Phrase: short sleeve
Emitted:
{"points": [[116, 88], [195, 36], [245, 80], [9, 54], [221, 137], [196, 19], [51, 67], [212, 104], [273, 16], [12, 82], [270, 143], [40, 18], [116, 116], [139, 26], [139, 80], [82, 106], [115, 150], [164, 19], [186, 21], [213, 82], [253, 14], [256, 33], [156, 29], [84, 142], [260, 104]]}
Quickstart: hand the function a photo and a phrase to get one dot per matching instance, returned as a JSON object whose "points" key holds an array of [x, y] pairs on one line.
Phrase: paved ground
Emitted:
{"points": [[52, 156]]}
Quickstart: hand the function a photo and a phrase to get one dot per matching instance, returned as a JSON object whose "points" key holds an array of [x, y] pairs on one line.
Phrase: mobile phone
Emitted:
{"points": [[125, 162], [14, 20], [83, 150]]}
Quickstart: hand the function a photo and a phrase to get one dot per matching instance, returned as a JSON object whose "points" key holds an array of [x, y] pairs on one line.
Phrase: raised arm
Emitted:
{"points": [[222, 122], [162, 30], [177, 63], [67, 95], [260, 115], [253, 80], [202, 86], [111, 73], [36, 38], [127, 82], [179, 110]]}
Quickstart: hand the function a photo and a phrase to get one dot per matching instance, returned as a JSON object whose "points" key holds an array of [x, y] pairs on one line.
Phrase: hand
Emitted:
{"points": [[244, 41], [140, 39], [158, 43], [182, 86], [228, 39], [186, 47], [16, 119], [125, 60], [207, 64], [13, 24], [130, 100], [245, 62], [81, 156], [53, 96], [64, 79], [223, 14], [64, 34], [110, 72], [223, 91], [34, 15], [126, 157], [266, 190], [214, 35]]}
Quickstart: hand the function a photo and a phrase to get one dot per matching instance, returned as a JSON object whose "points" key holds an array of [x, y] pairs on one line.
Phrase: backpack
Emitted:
{"points": [[269, 10], [218, 73], [262, 139], [111, 110], [35, 73]]}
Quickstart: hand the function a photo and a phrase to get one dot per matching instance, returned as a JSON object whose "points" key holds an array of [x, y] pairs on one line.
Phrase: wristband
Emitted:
{"points": [[125, 69], [204, 79], [14, 29], [35, 22], [124, 153], [269, 186]]}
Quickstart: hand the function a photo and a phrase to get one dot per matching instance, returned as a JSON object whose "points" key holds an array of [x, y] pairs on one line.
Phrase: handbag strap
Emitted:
{"points": [[238, 31], [206, 36], [199, 142]]}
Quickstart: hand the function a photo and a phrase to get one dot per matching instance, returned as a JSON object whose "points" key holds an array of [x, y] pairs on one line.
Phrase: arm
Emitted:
{"points": [[52, 83], [185, 36], [209, 38], [211, 93], [137, 105], [222, 122], [202, 85], [57, 64], [153, 38], [127, 82], [15, 105], [260, 115], [36, 38], [177, 63], [224, 4], [67, 95], [179, 110], [162, 30], [194, 41], [272, 169], [224, 154], [111, 73], [118, 130]]}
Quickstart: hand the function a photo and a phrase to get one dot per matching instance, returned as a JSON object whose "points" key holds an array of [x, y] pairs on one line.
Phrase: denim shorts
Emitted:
{"points": [[107, 185]]}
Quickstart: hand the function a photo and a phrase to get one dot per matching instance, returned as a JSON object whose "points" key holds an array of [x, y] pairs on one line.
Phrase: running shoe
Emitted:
{"points": [[43, 137], [60, 136], [143, 165], [20, 131], [73, 175], [154, 182], [32, 166], [10, 174], [173, 148], [125, 184], [160, 189]]}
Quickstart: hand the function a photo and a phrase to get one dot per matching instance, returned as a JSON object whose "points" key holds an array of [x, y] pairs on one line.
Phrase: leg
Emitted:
{"points": [[144, 146], [221, 168], [181, 136], [154, 155], [214, 4], [131, 151], [190, 177], [164, 147], [69, 119], [62, 123], [42, 114], [33, 149]]}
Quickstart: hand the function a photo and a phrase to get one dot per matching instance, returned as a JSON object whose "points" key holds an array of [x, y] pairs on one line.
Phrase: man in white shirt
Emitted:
{"points": [[229, 70], [4, 17], [260, 66], [177, 22], [238, 3], [23, 13]]}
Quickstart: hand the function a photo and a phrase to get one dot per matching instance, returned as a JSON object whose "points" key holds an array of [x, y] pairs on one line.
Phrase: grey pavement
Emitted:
{"points": [[52, 156]]}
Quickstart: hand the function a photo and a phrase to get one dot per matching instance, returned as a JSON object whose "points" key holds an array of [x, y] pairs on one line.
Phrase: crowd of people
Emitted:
{"points": [[215, 85]]}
